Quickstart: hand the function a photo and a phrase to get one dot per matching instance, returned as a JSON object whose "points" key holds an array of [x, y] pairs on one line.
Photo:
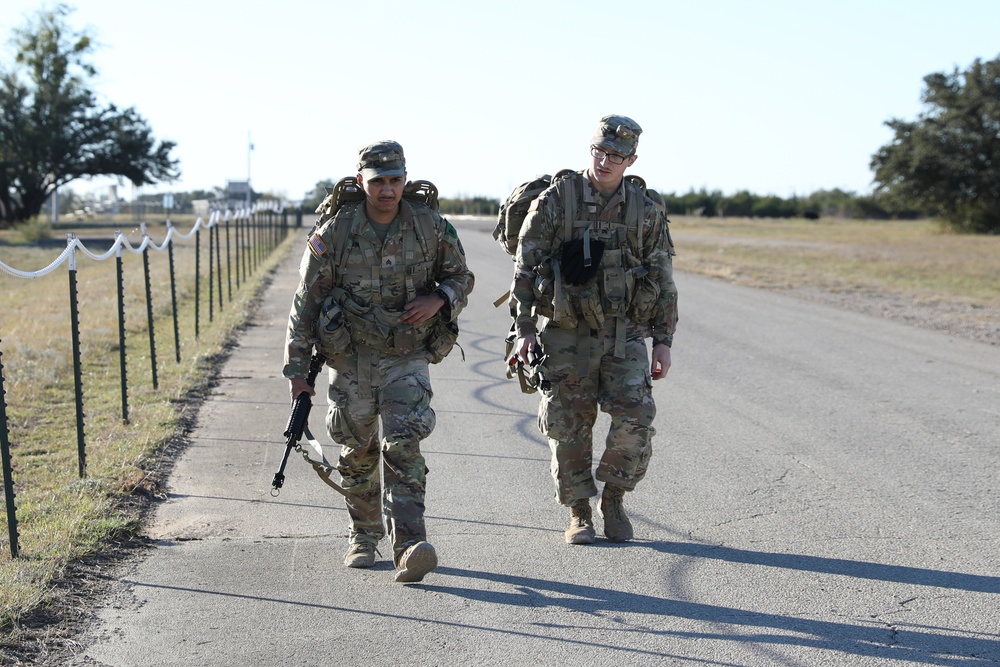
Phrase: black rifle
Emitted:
{"points": [[298, 420], [536, 357]]}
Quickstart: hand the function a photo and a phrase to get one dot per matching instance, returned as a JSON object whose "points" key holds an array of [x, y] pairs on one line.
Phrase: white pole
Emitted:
{"points": [[249, 151]]}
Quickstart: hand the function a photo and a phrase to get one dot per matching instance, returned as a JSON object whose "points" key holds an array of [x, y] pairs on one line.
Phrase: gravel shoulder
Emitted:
{"points": [[956, 318]]}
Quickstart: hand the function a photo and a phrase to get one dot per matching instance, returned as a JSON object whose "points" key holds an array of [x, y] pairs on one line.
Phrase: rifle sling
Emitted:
{"points": [[325, 470]]}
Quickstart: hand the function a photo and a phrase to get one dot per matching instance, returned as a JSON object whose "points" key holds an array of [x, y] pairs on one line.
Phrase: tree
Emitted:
{"points": [[948, 160], [316, 196], [53, 130]]}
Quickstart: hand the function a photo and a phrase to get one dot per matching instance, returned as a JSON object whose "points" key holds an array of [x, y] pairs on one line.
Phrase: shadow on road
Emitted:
{"points": [[849, 568], [934, 646]]}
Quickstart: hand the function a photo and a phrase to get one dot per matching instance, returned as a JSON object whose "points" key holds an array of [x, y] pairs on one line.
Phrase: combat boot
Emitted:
{"points": [[617, 527], [415, 562], [360, 554], [581, 523]]}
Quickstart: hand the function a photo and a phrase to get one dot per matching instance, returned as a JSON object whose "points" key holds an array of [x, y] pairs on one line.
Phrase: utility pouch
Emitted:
{"points": [[616, 285], [332, 330], [442, 339], [543, 290], [590, 307], [404, 340], [645, 295]]}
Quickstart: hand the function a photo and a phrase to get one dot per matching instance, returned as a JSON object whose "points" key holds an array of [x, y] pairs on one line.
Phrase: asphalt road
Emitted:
{"points": [[823, 492]]}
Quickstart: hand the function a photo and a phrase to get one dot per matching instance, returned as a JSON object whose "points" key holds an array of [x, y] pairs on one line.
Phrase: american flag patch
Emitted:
{"points": [[316, 245]]}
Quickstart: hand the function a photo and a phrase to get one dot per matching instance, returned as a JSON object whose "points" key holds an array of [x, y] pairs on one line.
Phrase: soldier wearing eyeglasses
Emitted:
{"points": [[593, 280]]}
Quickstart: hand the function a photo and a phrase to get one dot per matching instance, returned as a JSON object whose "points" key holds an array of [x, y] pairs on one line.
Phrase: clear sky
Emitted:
{"points": [[775, 96]]}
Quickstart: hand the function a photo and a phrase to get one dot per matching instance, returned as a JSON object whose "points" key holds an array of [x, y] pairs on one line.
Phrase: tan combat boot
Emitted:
{"points": [[617, 527], [581, 523], [417, 561], [360, 554]]}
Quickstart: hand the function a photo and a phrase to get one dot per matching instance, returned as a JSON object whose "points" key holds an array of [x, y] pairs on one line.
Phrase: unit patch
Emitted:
{"points": [[316, 245]]}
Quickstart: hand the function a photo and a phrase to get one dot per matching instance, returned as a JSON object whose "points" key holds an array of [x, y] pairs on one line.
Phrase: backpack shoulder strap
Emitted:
{"points": [[343, 224], [568, 182], [421, 220], [635, 196]]}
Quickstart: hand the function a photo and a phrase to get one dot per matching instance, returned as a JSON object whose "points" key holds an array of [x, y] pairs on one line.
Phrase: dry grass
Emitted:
{"points": [[61, 516], [911, 258]]}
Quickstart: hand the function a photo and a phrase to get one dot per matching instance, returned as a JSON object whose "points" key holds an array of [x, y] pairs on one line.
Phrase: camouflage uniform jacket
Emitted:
{"points": [[348, 272], [635, 277]]}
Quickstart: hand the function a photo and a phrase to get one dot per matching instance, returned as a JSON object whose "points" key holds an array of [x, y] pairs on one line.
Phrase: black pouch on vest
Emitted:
{"points": [[575, 269]]}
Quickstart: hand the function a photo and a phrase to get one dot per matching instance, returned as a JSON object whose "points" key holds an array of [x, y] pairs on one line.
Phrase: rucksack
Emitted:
{"points": [[347, 190], [515, 209]]}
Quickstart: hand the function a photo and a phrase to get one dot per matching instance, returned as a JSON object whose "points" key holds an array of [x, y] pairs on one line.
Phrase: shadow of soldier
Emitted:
{"points": [[652, 615]]}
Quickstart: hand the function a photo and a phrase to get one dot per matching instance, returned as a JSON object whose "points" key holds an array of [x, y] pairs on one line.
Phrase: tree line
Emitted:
{"points": [[54, 130], [834, 203]]}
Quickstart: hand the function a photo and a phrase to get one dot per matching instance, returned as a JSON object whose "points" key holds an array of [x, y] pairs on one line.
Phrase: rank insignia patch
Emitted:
{"points": [[316, 245]]}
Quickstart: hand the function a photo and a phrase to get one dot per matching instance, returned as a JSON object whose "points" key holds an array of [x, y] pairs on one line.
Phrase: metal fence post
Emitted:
{"points": [[218, 262], [229, 263], [121, 329], [211, 272], [239, 247], [256, 240], [197, 279], [74, 319], [242, 223], [8, 472], [149, 306], [173, 297]]}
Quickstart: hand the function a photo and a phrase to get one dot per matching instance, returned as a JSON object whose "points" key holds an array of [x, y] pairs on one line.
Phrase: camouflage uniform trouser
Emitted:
{"points": [[365, 387], [622, 387]]}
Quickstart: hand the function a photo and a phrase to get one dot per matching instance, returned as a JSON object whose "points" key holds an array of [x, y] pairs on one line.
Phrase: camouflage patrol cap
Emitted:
{"points": [[619, 133], [383, 158]]}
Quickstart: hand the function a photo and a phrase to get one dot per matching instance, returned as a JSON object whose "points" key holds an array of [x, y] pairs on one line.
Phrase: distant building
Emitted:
{"points": [[238, 194]]}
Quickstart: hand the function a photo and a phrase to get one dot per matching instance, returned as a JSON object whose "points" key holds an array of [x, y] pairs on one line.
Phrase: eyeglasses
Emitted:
{"points": [[613, 158]]}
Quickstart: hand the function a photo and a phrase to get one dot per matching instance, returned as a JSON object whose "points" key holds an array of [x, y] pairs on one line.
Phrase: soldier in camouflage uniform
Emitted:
{"points": [[594, 259], [382, 285]]}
